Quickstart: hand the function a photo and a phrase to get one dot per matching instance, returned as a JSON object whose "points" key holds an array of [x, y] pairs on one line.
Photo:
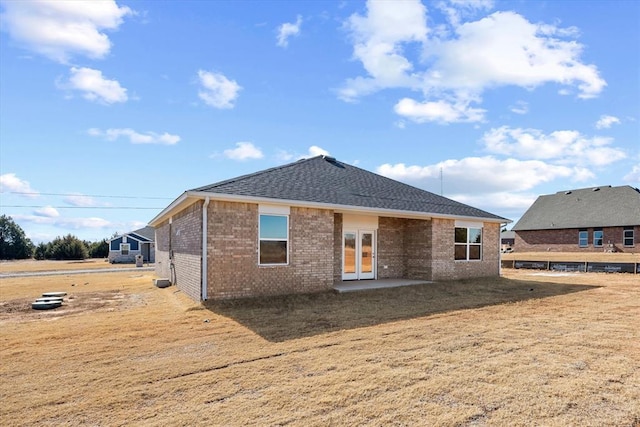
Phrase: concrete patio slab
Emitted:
{"points": [[365, 285]]}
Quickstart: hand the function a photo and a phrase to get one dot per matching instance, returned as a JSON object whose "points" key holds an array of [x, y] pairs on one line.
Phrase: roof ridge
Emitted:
{"points": [[254, 174]]}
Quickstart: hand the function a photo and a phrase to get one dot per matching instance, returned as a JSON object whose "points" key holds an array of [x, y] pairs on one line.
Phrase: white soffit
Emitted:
{"points": [[359, 222]]}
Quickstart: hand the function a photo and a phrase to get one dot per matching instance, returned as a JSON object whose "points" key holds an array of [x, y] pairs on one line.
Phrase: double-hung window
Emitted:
{"points": [[583, 238], [274, 239], [468, 243], [124, 248], [598, 237], [627, 237]]}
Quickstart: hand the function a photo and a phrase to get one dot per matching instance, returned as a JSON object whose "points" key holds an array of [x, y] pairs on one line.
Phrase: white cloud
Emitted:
{"points": [[82, 200], [10, 183], [62, 29], [605, 122], [243, 151], [313, 151], [459, 64], [135, 137], [564, 146], [378, 43], [94, 86], [47, 212], [633, 177], [65, 222], [520, 107], [287, 30], [438, 111], [482, 175], [217, 90]]}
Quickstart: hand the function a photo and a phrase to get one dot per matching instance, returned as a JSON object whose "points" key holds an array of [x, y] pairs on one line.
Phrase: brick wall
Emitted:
{"points": [[566, 240], [182, 239], [391, 253], [233, 270], [444, 266], [418, 249]]}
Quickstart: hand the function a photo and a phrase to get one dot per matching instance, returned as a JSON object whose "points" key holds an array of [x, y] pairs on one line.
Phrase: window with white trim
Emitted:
{"points": [[598, 237], [627, 237], [583, 238], [468, 244], [273, 239], [125, 248]]}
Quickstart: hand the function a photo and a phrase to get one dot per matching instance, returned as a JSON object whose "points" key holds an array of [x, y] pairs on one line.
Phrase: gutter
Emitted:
{"points": [[203, 295]]}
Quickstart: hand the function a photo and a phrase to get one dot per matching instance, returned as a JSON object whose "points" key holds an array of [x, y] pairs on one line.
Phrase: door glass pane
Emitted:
{"points": [[349, 253], [367, 252]]}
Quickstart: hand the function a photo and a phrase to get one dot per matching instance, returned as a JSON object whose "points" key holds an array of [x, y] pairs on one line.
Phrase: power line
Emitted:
{"points": [[36, 193], [77, 207]]}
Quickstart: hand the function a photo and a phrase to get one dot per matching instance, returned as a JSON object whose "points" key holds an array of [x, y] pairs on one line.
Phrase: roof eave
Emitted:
{"points": [[190, 197]]}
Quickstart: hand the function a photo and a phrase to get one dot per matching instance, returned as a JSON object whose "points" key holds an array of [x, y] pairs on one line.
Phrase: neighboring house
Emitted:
{"points": [[596, 219], [302, 227], [124, 248], [507, 240]]}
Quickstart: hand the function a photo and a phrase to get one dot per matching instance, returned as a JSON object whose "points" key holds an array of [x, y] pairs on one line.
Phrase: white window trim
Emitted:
{"points": [[128, 245], [469, 225], [273, 240], [601, 245], [586, 232]]}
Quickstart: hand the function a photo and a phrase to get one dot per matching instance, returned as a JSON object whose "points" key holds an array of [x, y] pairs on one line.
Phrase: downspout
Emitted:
{"points": [[204, 249]]}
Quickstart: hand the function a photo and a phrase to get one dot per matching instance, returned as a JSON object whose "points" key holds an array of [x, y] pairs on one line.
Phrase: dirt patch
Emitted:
{"points": [[19, 310]]}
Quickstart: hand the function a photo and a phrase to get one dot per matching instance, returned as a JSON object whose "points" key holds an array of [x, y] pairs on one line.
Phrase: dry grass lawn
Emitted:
{"points": [[526, 349], [31, 265]]}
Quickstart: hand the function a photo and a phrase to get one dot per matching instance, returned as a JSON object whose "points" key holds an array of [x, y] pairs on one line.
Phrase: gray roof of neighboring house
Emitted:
{"points": [[323, 179], [587, 207], [147, 232]]}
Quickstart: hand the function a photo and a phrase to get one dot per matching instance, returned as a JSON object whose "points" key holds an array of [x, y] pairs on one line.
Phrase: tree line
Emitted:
{"points": [[14, 244]]}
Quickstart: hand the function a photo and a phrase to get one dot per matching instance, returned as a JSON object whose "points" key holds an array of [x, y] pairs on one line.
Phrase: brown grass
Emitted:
{"points": [[31, 265], [520, 350]]}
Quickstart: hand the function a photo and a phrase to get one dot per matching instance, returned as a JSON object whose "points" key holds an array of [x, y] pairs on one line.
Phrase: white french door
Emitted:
{"points": [[358, 255]]}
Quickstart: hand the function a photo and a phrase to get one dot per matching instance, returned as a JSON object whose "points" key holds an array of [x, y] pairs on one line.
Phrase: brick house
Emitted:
{"points": [[301, 227], [596, 219], [124, 248]]}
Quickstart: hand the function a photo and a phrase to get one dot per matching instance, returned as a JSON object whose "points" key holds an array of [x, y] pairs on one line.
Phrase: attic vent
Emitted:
{"points": [[333, 161], [596, 189], [567, 192]]}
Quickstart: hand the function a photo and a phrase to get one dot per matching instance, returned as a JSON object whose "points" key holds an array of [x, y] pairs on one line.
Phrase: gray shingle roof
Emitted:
{"points": [[587, 207], [323, 179], [147, 232]]}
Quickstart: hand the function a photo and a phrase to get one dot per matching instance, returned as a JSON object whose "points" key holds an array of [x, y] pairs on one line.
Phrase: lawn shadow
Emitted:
{"points": [[283, 318]]}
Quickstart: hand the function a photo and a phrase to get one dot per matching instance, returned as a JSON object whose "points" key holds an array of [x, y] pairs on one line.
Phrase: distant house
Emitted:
{"points": [[302, 227], [593, 219], [507, 240], [124, 248]]}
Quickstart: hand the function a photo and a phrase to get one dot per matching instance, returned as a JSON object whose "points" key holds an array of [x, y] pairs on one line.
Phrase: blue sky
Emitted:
{"points": [[110, 110]]}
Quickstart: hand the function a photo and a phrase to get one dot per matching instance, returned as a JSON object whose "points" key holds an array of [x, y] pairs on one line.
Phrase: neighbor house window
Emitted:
{"points": [[124, 248], [627, 237], [274, 239], [583, 238], [597, 238], [468, 243]]}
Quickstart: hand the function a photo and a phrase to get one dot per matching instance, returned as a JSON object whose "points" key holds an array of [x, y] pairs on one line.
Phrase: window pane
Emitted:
{"points": [[461, 252], [349, 253], [475, 235], [461, 235], [273, 227], [628, 237], [366, 262], [597, 238], [272, 252], [582, 239], [474, 251]]}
